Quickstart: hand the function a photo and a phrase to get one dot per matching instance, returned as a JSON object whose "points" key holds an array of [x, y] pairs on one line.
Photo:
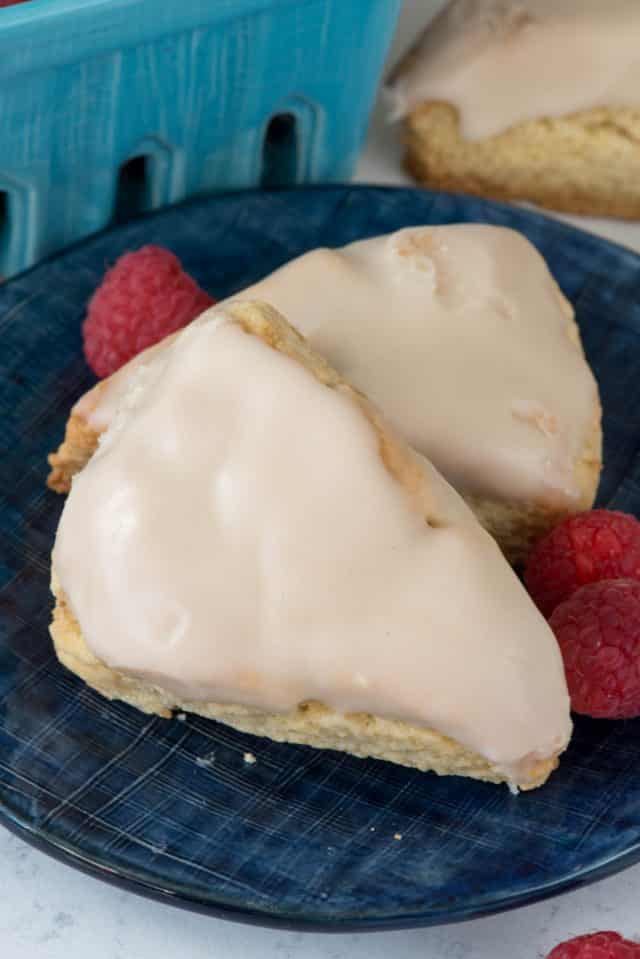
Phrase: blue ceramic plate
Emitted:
{"points": [[300, 838]]}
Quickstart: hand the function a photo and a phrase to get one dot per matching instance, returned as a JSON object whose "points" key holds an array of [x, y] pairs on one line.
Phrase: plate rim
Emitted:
{"points": [[170, 895], [528, 212]]}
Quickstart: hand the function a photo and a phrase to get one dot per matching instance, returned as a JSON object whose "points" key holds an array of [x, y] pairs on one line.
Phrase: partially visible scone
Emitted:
{"points": [[535, 100], [252, 542], [585, 163]]}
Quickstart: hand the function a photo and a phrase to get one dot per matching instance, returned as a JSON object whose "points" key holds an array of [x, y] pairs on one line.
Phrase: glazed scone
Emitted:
{"points": [[253, 543], [462, 337], [533, 100]]}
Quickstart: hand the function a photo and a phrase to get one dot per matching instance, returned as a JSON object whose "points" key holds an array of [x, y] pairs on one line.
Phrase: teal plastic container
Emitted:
{"points": [[110, 108]]}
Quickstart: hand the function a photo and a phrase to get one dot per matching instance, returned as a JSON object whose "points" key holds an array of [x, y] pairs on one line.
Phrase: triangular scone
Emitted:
{"points": [[253, 543], [462, 337]]}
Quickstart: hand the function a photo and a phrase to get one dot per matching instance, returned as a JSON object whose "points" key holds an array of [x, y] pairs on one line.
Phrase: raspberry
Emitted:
{"points": [[598, 945], [598, 630], [142, 299], [585, 548]]}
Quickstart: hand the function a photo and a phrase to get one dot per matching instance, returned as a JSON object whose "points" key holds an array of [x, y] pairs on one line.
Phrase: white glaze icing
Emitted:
{"points": [[461, 337], [237, 538], [501, 62]]}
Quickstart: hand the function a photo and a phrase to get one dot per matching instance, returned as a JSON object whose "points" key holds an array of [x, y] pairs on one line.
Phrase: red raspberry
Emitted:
{"points": [[585, 548], [598, 630], [598, 945], [142, 299]]}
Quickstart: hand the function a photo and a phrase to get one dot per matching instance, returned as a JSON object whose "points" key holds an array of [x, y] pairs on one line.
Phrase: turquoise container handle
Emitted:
{"points": [[110, 108]]}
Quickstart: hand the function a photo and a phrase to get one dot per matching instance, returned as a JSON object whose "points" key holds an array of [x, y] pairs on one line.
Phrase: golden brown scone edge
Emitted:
{"points": [[75, 451], [585, 163]]}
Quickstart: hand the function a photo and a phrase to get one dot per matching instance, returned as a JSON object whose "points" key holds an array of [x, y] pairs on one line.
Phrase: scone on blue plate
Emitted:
{"points": [[251, 541]]}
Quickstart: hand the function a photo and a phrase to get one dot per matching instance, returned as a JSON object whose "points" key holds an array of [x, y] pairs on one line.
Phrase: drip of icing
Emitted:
{"points": [[502, 62], [450, 330], [237, 538]]}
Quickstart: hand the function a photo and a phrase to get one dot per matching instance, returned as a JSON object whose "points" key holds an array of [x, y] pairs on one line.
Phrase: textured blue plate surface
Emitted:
{"points": [[300, 838]]}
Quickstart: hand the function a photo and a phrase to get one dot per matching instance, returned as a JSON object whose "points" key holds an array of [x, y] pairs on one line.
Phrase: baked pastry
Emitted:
{"points": [[463, 339], [252, 542], [531, 100]]}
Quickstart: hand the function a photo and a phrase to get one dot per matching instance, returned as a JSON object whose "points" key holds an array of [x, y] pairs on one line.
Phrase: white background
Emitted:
{"points": [[48, 911]]}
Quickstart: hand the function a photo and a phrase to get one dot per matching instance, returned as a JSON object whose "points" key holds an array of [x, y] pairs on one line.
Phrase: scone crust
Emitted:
{"points": [[75, 451], [585, 163], [312, 723]]}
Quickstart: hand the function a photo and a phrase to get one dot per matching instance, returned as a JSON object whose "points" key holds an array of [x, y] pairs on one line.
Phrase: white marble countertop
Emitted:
{"points": [[48, 911]]}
